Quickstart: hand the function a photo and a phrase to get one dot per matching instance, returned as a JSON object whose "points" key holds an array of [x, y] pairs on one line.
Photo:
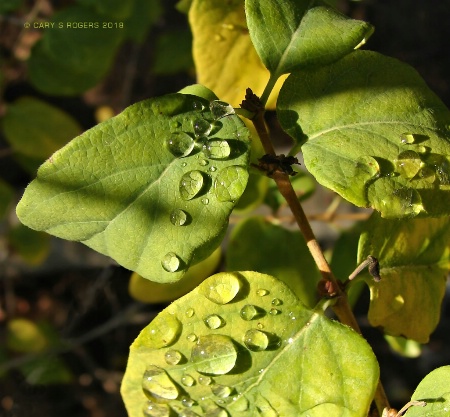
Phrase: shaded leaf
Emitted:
{"points": [[117, 9], [32, 247], [312, 35], [414, 262], [434, 389], [220, 348], [405, 347], [371, 130], [145, 187], [222, 46], [145, 14], [259, 245], [10, 5]]}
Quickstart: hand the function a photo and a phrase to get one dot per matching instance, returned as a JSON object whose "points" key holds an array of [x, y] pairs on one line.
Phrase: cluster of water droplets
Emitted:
{"points": [[203, 149], [211, 354]]}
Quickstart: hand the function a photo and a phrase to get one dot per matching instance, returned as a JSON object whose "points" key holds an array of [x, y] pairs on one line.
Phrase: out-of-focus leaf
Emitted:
{"points": [[371, 130], [25, 336], [152, 188], [259, 245], [10, 5], [6, 197], [242, 344], [183, 6], [145, 14], [32, 247], [46, 371], [405, 347], [414, 257], [117, 9]]}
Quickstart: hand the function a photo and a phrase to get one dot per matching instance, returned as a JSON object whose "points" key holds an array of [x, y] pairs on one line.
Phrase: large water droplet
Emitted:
{"points": [[152, 409], [162, 331], [262, 292], [214, 354], [158, 384], [201, 127], [173, 357], [221, 288], [220, 109], [407, 138], [205, 380], [171, 262], [180, 144], [256, 340], [240, 403], [214, 321], [191, 337], [441, 166], [191, 184], [408, 164], [230, 183], [221, 391], [426, 175], [217, 149], [187, 380], [178, 217], [405, 201], [251, 312]]}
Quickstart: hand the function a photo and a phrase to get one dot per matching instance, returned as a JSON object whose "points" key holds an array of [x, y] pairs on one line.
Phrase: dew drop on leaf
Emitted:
{"points": [[156, 410], [276, 302], [220, 288], [173, 357], [427, 175], [201, 127], [191, 337], [178, 217], [240, 403], [205, 380], [196, 105], [251, 312], [405, 201], [180, 144], [274, 312], [221, 391], [212, 169], [189, 312], [171, 262], [191, 184], [187, 380], [230, 183], [158, 384], [214, 354], [163, 331], [205, 201], [441, 166], [407, 138], [256, 340], [408, 164], [262, 292], [203, 162], [214, 321], [220, 109], [217, 149]]}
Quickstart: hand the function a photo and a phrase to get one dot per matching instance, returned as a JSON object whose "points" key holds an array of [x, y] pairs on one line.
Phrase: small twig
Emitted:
{"points": [[374, 268], [409, 405]]}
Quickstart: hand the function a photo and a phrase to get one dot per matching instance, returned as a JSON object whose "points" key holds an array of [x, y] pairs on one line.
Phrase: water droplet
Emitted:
{"points": [[441, 166], [221, 391], [196, 105], [190, 312], [212, 169], [240, 403], [203, 162], [152, 409], [251, 312], [220, 288], [171, 262], [408, 164], [205, 201], [214, 321], [180, 144], [175, 124], [187, 402], [230, 183], [276, 302], [107, 139], [427, 175], [163, 331], [187, 381], [217, 149], [158, 384], [260, 326], [178, 217], [191, 184], [256, 340], [407, 138], [220, 109], [184, 164], [262, 292], [173, 357], [405, 201], [192, 337], [205, 380], [201, 127], [274, 312], [214, 354]]}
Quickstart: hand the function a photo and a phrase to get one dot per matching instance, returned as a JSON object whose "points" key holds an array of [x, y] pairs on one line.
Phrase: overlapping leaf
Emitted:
{"points": [[373, 132], [241, 344], [152, 187], [414, 259]]}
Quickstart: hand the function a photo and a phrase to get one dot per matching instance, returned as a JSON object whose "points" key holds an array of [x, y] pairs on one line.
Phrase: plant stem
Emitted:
{"points": [[268, 89], [341, 308]]}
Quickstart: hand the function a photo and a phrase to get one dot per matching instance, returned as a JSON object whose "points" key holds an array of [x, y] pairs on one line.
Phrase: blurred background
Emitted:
{"points": [[67, 317]]}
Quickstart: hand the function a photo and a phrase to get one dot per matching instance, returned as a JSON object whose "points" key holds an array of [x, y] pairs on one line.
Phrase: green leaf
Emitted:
{"points": [[32, 247], [10, 5], [257, 244], [371, 130], [145, 14], [69, 60], [312, 35], [405, 347], [254, 193], [117, 9], [242, 342], [36, 129], [145, 187], [414, 258], [434, 389]]}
